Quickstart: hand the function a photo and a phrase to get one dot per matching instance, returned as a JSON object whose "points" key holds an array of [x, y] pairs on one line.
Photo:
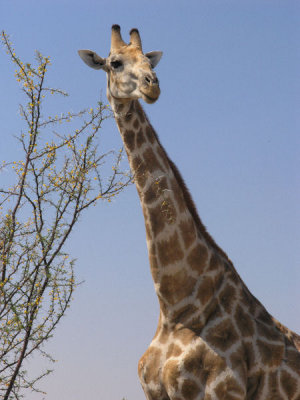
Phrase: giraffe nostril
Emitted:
{"points": [[148, 80]]}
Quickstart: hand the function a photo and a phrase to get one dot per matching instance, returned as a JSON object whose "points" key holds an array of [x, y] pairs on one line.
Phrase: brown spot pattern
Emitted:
{"points": [[129, 139], [136, 123], [151, 194], [140, 138], [197, 258], [156, 220], [176, 287], [150, 134], [269, 332], [204, 364], [244, 322], [214, 262], [178, 196], [228, 297], [212, 310], [171, 374], [168, 210], [293, 359], [273, 390], [149, 364], [173, 351], [229, 389], [151, 160], [184, 313], [249, 355], [238, 363], [223, 335], [190, 389], [271, 354], [288, 383], [206, 290], [140, 112], [169, 251], [255, 386], [188, 232], [139, 170]]}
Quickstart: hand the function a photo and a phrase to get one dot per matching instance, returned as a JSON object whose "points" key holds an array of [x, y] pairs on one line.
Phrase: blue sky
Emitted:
{"points": [[228, 116]]}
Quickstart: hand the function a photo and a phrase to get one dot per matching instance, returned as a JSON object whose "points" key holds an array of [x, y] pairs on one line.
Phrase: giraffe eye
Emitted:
{"points": [[116, 64]]}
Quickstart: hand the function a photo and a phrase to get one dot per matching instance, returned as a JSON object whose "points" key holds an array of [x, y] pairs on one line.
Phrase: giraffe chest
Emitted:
{"points": [[181, 365]]}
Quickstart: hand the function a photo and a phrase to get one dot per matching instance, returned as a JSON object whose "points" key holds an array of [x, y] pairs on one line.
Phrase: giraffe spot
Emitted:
{"points": [[150, 134], [255, 385], [139, 169], [190, 389], [151, 161], [206, 290], [271, 354], [129, 138], [249, 355], [197, 258], [269, 332], [171, 375], [238, 363], [273, 391], [178, 195], [157, 223], [265, 317], [214, 262], [155, 190], [231, 274], [140, 138], [129, 115], [176, 287], [168, 210], [248, 299], [151, 194], [184, 313], [185, 335], [173, 351], [162, 155], [140, 112], [169, 250], [223, 335], [244, 322], [149, 365], [197, 325], [204, 364], [212, 310], [288, 383], [228, 297], [188, 232], [136, 123], [229, 389], [292, 359]]}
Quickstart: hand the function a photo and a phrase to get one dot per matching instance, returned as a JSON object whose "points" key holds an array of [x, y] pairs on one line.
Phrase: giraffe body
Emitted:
{"points": [[214, 339]]}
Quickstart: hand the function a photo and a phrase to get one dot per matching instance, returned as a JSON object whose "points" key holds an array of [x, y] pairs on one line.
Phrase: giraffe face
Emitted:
{"points": [[129, 71]]}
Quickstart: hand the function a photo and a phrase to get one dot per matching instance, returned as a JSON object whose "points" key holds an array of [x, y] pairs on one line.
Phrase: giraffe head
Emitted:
{"points": [[129, 71]]}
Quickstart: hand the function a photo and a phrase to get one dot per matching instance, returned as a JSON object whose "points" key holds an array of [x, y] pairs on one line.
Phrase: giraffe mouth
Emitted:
{"points": [[149, 99]]}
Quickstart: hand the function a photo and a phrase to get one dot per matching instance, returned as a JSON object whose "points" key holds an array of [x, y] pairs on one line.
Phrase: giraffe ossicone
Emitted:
{"points": [[214, 339]]}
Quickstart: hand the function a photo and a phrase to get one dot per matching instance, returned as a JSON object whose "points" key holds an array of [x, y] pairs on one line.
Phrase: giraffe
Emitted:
{"points": [[214, 339]]}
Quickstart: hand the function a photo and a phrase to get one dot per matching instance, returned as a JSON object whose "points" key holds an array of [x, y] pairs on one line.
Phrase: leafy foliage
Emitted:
{"points": [[56, 180]]}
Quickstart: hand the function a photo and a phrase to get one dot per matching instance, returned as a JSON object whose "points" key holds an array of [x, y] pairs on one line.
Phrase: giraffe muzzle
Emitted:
{"points": [[150, 89]]}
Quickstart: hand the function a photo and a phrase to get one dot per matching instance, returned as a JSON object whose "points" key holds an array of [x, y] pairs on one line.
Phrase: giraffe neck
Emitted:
{"points": [[186, 265]]}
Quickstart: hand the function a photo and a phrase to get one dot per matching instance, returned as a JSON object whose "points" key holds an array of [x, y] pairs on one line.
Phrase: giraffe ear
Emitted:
{"points": [[92, 59], [154, 57]]}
